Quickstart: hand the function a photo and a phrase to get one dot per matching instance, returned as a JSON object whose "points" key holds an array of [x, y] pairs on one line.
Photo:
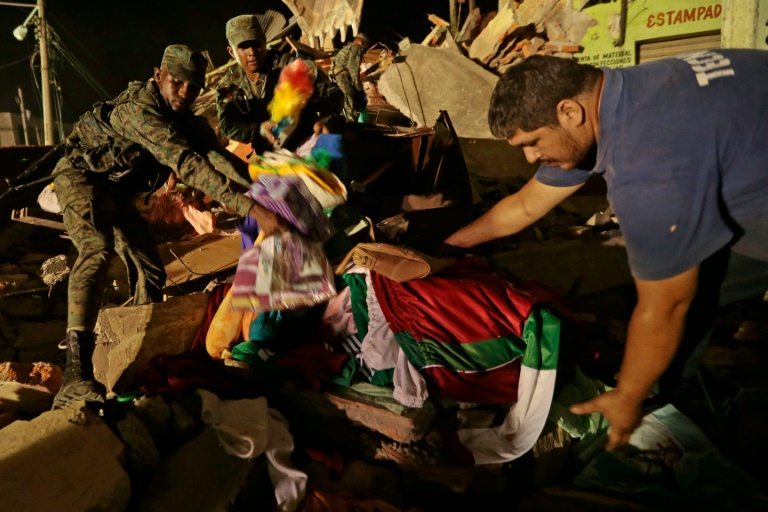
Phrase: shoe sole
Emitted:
{"points": [[88, 390]]}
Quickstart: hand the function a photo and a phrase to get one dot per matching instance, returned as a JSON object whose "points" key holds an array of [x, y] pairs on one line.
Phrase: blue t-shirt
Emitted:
{"points": [[683, 148]]}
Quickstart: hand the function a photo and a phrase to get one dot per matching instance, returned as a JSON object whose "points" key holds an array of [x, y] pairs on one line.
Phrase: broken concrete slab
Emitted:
{"points": [[406, 427], [28, 387], [128, 337], [142, 450], [573, 22], [66, 460], [429, 80], [202, 476], [488, 41], [335, 415], [424, 465]]}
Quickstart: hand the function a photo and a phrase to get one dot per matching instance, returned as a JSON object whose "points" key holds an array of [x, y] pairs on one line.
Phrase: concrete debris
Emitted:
{"points": [[66, 460], [142, 451], [202, 476], [429, 80], [128, 337], [28, 387]]}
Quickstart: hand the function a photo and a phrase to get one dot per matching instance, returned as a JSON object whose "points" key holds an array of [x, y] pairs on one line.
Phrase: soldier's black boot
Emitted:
{"points": [[79, 382]]}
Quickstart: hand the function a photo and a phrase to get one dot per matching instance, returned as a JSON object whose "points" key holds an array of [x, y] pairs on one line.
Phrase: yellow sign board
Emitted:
{"points": [[647, 20]]}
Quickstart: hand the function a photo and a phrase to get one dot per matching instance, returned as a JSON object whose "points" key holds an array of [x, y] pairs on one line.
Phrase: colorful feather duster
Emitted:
{"points": [[292, 93]]}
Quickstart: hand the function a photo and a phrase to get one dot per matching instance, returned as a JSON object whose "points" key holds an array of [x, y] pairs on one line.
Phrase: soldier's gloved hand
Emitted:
{"points": [[269, 222]]}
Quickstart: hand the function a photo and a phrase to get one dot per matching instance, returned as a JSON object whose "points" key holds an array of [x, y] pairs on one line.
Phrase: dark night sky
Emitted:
{"points": [[122, 41]]}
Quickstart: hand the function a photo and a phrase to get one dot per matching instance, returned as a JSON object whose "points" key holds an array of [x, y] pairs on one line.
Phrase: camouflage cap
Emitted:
{"points": [[363, 38], [244, 28], [185, 64]]}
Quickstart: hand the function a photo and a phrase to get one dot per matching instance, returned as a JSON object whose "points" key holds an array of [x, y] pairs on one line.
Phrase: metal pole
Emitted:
{"points": [[23, 117], [44, 75]]}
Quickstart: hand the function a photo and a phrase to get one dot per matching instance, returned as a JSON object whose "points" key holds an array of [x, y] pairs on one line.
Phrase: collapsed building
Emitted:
{"points": [[336, 405]]}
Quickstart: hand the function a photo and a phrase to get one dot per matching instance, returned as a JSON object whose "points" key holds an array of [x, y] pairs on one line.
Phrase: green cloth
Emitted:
{"points": [[358, 291], [588, 427]]}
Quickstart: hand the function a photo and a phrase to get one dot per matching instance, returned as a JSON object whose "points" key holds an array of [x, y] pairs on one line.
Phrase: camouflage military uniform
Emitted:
{"points": [[345, 71], [121, 148]]}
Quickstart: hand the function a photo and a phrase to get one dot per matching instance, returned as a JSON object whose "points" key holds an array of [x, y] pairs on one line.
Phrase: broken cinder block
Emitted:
{"points": [[128, 337]]}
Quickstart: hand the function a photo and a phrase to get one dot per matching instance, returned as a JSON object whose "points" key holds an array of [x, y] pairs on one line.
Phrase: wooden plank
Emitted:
{"points": [[38, 217], [307, 50], [204, 255]]}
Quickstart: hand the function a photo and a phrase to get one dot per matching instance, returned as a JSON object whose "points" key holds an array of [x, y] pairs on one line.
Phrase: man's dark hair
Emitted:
{"points": [[526, 95]]}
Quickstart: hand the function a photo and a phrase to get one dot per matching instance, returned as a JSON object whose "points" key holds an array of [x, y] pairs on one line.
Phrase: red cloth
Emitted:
{"points": [[467, 302], [178, 375], [313, 362]]}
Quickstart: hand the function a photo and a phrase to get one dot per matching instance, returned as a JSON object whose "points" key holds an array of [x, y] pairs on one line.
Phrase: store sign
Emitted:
{"points": [[762, 27], [647, 20]]}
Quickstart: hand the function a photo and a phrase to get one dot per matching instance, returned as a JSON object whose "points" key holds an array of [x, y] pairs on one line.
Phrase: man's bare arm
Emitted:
{"points": [[512, 214], [654, 335]]}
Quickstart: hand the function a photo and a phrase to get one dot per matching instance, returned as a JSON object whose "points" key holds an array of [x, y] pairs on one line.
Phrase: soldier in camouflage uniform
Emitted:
{"points": [[345, 71], [246, 90], [122, 148]]}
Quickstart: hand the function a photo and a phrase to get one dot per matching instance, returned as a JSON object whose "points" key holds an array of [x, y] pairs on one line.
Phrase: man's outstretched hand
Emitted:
{"points": [[623, 413]]}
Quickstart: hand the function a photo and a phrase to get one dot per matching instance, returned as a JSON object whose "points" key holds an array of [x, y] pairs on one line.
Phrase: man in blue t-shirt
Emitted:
{"points": [[682, 144]]}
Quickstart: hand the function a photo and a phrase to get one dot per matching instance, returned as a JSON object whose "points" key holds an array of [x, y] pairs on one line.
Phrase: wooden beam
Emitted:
{"points": [[39, 217]]}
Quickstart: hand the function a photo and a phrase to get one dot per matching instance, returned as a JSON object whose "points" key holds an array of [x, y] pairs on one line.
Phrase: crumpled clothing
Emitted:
{"points": [[338, 314], [410, 386], [285, 271], [247, 428], [202, 220], [379, 350], [289, 197], [323, 185], [48, 200]]}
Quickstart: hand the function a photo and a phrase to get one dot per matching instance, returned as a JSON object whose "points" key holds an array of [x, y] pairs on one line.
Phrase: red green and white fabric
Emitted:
{"points": [[479, 337]]}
